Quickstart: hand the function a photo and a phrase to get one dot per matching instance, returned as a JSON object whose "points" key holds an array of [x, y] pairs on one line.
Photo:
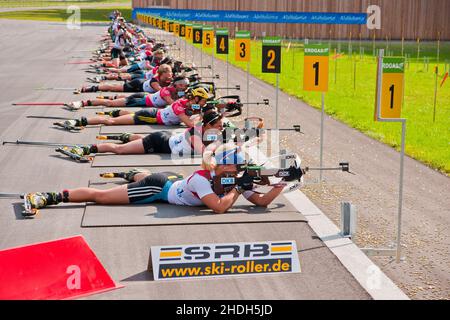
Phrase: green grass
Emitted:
{"points": [[425, 141], [54, 3], [61, 15]]}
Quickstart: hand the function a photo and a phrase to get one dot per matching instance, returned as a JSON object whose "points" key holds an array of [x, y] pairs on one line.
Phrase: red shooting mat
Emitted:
{"points": [[60, 269]]}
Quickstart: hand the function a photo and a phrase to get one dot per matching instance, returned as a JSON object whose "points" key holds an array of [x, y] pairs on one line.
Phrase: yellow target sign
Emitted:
{"points": [[392, 82], [189, 32], [315, 73], [208, 37], [242, 46]]}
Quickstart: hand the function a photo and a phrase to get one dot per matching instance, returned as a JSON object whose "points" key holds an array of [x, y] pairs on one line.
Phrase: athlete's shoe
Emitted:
{"points": [[37, 200], [71, 123], [81, 150], [76, 105]]}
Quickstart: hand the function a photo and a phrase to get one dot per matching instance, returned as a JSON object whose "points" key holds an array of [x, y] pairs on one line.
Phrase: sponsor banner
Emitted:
{"points": [[257, 16], [224, 259]]}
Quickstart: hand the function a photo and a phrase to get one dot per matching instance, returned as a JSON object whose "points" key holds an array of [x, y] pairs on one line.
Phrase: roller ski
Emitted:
{"points": [[77, 153], [124, 137], [69, 125], [31, 204], [129, 175]]}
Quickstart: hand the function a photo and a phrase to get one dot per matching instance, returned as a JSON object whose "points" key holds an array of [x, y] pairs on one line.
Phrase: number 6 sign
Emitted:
{"points": [[315, 73], [271, 55]]}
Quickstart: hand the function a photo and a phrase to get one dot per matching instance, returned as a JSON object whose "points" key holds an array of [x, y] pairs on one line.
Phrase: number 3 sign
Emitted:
{"points": [[242, 46], [271, 55], [315, 75]]}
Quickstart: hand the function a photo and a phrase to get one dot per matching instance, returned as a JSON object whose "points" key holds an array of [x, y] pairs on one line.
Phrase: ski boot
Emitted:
{"points": [[77, 153], [124, 137], [74, 106], [89, 89], [129, 176], [70, 125]]}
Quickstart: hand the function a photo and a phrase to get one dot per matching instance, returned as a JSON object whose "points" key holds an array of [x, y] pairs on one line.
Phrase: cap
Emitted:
{"points": [[229, 157], [211, 117]]}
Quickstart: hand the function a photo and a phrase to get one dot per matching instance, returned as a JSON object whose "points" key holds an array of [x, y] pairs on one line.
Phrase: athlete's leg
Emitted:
{"points": [[122, 120], [133, 147], [111, 87], [116, 195]]}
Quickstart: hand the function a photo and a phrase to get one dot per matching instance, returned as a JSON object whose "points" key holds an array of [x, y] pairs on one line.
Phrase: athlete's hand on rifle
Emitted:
{"points": [[294, 174], [245, 182]]}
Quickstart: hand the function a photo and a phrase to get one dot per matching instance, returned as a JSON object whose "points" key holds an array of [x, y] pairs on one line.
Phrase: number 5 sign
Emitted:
{"points": [[271, 55], [392, 87], [242, 46], [315, 73], [208, 37]]}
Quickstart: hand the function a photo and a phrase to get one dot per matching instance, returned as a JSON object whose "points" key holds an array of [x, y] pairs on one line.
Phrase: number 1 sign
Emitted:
{"points": [[315, 75], [392, 87]]}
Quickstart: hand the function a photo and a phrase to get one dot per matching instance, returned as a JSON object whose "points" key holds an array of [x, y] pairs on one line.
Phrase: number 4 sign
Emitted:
{"points": [[271, 55], [315, 75], [222, 41]]}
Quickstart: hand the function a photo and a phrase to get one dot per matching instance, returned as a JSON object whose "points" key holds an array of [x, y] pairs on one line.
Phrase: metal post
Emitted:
{"points": [[201, 60], [212, 62], [248, 86], [402, 156], [227, 73], [400, 195], [321, 136], [276, 100]]}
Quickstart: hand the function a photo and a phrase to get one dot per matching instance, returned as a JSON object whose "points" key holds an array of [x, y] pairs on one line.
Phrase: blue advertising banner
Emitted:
{"points": [[256, 16]]}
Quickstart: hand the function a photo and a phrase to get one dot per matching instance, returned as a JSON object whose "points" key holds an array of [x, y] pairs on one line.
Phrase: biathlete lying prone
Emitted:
{"points": [[191, 141], [174, 114], [170, 187], [161, 98]]}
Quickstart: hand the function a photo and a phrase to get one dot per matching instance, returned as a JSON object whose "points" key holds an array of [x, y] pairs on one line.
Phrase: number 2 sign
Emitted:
{"points": [[315, 75], [271, 55]]}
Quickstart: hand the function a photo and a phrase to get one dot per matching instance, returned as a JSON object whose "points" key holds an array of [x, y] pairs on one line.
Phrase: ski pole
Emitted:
{"points": [[237, 87], [39, 104], [38, 143]]}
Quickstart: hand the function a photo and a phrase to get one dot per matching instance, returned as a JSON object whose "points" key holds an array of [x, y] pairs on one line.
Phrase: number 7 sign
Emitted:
{"points": [[315, 73]]}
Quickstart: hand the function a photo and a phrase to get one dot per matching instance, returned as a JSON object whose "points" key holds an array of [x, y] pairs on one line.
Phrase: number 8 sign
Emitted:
{"points": [[271, 55], [315, 73], [242, 46]]}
